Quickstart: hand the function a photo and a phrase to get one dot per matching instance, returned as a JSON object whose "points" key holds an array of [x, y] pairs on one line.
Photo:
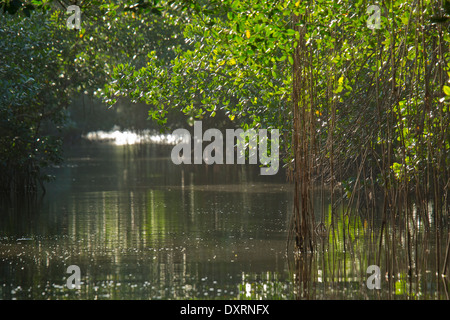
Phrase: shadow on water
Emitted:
{"points": [[140, 227]]}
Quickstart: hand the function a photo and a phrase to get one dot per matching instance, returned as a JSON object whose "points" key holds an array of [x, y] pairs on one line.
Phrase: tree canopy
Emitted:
{"points": [[45, 65], [361, 97], [362, 106]]}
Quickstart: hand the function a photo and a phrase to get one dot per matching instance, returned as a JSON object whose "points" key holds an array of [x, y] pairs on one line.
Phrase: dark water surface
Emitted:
{"points": [[140, 227]]}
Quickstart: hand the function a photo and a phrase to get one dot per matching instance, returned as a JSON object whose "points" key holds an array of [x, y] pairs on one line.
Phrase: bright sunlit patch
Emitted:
{"points": [[127, 137], [248, 289]]}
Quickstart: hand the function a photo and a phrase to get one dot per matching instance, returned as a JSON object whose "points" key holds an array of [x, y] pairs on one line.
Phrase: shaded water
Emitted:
{"points": [[140, 227]]}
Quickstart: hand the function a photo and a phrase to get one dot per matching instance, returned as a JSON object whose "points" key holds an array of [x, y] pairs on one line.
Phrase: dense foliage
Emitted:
{"points": [[32, 93], [45, 66], [362, 109]]}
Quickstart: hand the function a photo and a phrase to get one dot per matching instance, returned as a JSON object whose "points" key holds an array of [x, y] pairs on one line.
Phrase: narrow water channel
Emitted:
{"points": [[140, 227]]}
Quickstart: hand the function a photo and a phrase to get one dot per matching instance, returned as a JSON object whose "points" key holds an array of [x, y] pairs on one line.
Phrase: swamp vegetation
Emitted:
{"points": [[360, 97]]}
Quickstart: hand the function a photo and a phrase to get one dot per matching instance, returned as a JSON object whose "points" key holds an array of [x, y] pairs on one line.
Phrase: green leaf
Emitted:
{"points": [[291, 60], [447, 90]]}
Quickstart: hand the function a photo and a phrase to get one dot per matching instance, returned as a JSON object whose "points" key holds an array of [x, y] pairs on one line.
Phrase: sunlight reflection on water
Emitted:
{"points": [[120, 138]]}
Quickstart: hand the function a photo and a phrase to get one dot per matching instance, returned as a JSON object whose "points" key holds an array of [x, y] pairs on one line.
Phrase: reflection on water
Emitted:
{"points": [[140, 227], [409, 266], [120, 137]]}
